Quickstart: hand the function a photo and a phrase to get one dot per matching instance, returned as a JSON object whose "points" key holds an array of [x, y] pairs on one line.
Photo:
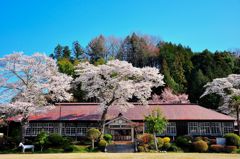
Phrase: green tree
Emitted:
{"points": [[156, 123], [195, 88], [66, 52], [176, 65], [139, 50], [97, 48], [78, 50], [93, 134], [65, 66], [208, 66], [99, 61], [58, 52], [235, 105], [42, 140]]}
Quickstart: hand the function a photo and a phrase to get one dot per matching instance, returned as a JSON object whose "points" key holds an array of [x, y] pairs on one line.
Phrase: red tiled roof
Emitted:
{"points": [[89, 111]]}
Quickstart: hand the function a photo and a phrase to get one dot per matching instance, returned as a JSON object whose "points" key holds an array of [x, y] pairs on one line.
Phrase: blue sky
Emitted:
{"points": [[39, 25]]}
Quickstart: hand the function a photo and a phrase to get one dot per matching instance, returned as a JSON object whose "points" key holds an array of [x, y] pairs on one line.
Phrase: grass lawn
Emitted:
{"points": [[121, 156]]}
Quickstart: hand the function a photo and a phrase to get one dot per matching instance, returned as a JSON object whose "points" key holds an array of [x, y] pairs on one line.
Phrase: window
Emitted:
{"points": [[69, 131], [35, 128], [216, 128], [193, 128], [72, 129], [81, 131], [227, 127], [171, 130], [204, 128]]}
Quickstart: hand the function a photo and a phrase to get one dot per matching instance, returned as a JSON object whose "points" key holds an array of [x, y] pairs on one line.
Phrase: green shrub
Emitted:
{"points": [[232, 139], [237, 151], [189, 138], [160, 142], [175, 148], [14, 137], [166, 146], [53, 150], [56, 140], [141, 148], [183, 141], [107, 137], [198, 138], [217, 148], [68, 148], [80, 148], [93, 134], [102, 143], [42, 140], [230, 149], [206, 139], [151, 145], [200, 146]]}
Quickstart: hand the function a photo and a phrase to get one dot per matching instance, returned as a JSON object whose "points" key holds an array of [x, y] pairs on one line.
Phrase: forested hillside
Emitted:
{"points": [[185, 71]]}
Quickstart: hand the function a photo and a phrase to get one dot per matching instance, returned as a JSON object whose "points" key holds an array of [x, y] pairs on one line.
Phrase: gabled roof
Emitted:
{"points": [[89, 112], [121, 118]]}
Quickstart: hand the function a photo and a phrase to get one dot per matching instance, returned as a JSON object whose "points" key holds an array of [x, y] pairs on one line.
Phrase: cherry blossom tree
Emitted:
{"points": [[169, 97], [229, 89], [30, 84], [116, 82]]}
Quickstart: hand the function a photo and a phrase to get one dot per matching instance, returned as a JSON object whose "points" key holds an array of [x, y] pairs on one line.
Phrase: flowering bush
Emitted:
{"points": [[146, 138], [166, 139], [198, 138], [212, 141], [200, 146], [217, 148]]}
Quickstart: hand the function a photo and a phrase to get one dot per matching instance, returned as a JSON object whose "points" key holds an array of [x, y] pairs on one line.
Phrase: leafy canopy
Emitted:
{"points": [[155, 122]]}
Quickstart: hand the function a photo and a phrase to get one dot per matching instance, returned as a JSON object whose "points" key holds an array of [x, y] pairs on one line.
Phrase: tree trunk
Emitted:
{"points": [[238, 122], [155, 141], [23, 133], [24, 124], [93, 144], [42, 148], [103, 119], [7, 130]]}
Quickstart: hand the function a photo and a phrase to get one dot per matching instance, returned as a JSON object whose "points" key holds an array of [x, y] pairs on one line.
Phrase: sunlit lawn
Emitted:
{"points": [[122, 156]]}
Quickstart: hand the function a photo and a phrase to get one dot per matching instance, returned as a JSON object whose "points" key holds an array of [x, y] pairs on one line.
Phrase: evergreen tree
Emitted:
{"points": [[58, 52], [96, 48], [77, 50], [66, 52]]}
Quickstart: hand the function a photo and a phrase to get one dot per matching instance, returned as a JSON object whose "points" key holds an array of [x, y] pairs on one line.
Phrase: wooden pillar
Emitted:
{"points": [[60, 128], [143, 127], [132, 134]]}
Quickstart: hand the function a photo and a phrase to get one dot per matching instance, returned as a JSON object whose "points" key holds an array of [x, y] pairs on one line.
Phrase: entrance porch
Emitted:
{"points": [[122, 134], [120, 128]]}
